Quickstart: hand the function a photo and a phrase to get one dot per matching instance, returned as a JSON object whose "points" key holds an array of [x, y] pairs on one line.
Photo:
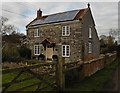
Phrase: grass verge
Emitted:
{"points": [[10, 76], [96, 81]]}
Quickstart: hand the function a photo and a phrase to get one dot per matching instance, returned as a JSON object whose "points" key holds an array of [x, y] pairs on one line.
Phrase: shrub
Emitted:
{"points": [[71, 75], [118, 50], [25, 52], [41, 57], [110, 49], [10, 53]]}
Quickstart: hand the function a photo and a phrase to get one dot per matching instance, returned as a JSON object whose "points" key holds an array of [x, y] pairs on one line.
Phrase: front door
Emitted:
{"points": [[49, 53]]}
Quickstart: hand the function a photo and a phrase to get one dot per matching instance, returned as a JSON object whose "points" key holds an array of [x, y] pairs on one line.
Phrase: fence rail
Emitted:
{"points": [[41, 76], [72, 65], [53, 74]]}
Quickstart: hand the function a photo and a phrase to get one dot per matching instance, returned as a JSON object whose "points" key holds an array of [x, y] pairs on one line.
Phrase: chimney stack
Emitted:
{"points": [[39, 13], [88, 5]]}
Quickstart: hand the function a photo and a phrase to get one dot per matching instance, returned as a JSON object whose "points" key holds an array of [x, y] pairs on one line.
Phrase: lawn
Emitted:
{"points": [[96, 81], [10, 76], [92, 83]]}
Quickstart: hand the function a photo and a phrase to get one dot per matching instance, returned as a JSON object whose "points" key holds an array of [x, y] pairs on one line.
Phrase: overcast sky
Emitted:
{"points": [[21, 13]]}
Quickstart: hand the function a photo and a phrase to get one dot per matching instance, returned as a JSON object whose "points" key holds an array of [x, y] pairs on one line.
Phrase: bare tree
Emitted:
{"points": [[118, 36], [113, 32], [5, 28]]}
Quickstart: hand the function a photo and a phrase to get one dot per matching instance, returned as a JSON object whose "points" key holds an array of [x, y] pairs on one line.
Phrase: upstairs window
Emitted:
{"points": [[65, 50], [90, 32], [36, 33], [65, 30], [36, 49], [89, 47]]}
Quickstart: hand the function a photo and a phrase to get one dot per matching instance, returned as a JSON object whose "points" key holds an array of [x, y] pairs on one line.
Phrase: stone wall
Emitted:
{"points": [[88, 22], [92, 66], [78, 39], [54, 33]]}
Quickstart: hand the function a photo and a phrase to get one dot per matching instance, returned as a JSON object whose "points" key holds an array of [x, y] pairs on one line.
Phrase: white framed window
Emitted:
{"points": [[36, 33], [89, 47], [36, 49], [90, 32], [65, 50], [65, 30]]}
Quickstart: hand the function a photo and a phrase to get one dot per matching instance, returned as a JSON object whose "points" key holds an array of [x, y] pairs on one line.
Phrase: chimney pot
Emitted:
{"points": [[88, 5]]}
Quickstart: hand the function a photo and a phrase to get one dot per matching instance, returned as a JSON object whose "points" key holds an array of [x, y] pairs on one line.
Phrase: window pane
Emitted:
{"points": [[63, 53], [36, 49], [67, 30], [67, 50], [90, 33], [67, 53], [36, 32], [67, 47], [63, 33], [63, 30], [89, 47], [63, 50]]}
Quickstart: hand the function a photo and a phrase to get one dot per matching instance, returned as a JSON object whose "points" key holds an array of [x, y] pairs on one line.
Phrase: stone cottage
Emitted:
{"points": [[69, 34]]}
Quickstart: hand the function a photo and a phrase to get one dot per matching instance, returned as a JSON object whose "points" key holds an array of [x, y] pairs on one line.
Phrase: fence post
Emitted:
{"points": [[60, 75]]}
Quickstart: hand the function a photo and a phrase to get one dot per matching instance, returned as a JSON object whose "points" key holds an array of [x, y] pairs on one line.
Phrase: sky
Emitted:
{"points": [[105, 14]]}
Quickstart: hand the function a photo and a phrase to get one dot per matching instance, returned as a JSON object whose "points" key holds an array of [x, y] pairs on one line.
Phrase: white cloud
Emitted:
{"points": [[61, 1], [105, 14]]}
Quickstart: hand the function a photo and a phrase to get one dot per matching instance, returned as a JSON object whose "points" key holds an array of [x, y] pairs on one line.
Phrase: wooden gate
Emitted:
{"points": [[30, 78], [38, 77]]}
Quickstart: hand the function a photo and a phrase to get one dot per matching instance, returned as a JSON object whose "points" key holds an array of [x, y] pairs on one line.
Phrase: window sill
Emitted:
{"points": [[90, 53], [65, 35], [36, 36], [66, 56], [36, 54]]}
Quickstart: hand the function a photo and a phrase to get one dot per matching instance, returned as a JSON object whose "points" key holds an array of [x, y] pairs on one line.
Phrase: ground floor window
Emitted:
{"points": [[89, 47], [36, 49], [65, 50]]}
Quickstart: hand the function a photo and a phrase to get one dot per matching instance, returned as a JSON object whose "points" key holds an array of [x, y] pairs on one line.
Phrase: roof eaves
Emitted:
{"points": [[53, 22], [42, 18], [31, 22]]}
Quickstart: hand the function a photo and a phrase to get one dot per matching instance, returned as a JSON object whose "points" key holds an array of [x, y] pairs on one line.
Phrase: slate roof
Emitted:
{"points": [[59, 17]]}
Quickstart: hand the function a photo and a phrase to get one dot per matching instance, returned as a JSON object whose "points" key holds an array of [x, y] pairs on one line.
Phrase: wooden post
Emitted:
{"points": [[60, 75]]}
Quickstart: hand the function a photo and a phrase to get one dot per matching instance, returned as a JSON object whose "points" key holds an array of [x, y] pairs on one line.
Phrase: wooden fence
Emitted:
{"points": [[44, 73], [53, 74]]}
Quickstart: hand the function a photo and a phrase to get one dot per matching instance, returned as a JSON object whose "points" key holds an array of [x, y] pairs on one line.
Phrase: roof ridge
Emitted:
{"points": [[65, 12], [59, 17]]}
